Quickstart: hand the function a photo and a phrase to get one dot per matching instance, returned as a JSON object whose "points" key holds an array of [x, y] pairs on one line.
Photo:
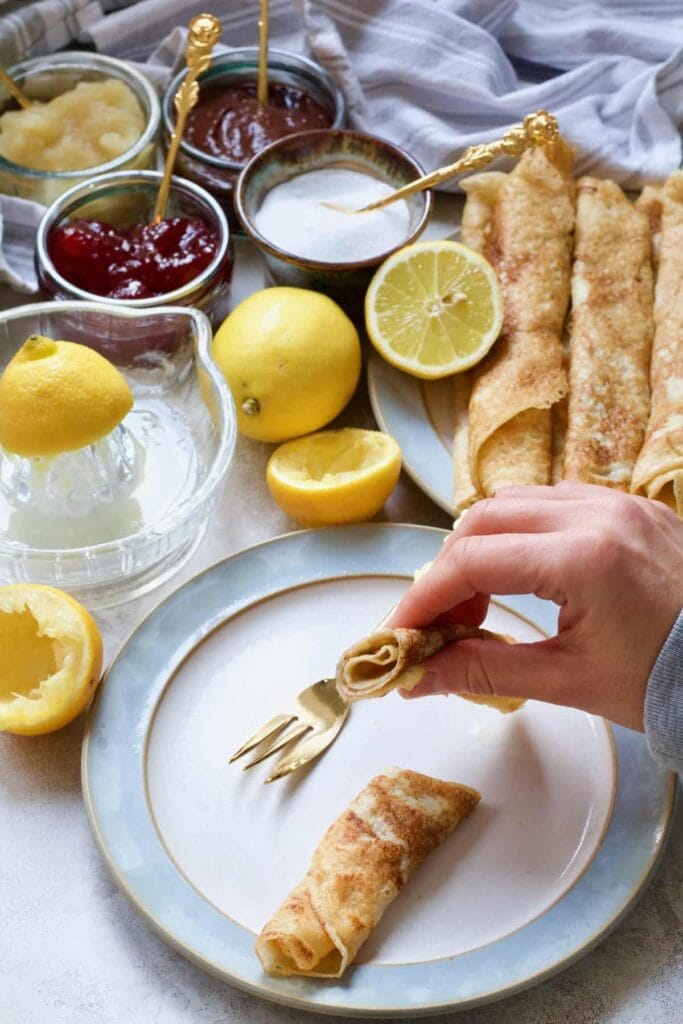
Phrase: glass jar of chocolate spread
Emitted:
{"points": [[227, 126]]}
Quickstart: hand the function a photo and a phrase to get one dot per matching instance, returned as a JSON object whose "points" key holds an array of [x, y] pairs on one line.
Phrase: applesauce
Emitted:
{"points": [[91, 124]]}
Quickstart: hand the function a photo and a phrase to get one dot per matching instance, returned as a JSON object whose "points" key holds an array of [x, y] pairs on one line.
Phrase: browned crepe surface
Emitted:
{"points": [[658, 471], [358, 868], [610, 337], [522, 222]]}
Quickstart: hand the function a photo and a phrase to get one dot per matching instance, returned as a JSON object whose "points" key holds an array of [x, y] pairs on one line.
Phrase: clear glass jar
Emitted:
{"points": [[125, 198], [219, 174], [44, 78]]}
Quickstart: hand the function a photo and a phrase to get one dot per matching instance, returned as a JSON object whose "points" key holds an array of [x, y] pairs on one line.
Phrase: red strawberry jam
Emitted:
{"points": [[139, 262]]}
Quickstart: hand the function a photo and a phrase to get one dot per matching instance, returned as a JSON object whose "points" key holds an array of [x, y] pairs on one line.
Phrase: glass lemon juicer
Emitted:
{"points": [[115, 518]]}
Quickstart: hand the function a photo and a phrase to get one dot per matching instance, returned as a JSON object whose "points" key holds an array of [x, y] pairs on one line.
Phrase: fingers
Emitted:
{"points": [[545, 509], [468, 613], [500, 564], [524, 514], [537, 671], [559, 491]]}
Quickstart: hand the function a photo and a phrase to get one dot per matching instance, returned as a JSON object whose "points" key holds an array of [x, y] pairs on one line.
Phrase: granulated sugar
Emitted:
{"points": [[293, 217]]}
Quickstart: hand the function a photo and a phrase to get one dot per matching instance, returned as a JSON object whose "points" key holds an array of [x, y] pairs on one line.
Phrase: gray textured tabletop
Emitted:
{"points": [[74, 951]]}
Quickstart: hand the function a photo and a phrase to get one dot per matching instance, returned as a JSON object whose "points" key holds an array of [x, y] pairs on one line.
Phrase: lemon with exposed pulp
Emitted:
{"points": [[57, 396], [292, 360], [50, 658], [434, 308], [334, 476]]}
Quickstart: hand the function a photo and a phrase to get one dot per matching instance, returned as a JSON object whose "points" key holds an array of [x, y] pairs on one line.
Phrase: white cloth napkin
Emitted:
{"points": [[436, 76]]}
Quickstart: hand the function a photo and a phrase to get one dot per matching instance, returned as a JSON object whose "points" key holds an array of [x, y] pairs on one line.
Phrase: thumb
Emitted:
{"points": [[488, 668]]}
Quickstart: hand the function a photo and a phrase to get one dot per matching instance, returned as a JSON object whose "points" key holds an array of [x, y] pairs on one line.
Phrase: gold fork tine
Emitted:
{"points": [[305, 751], [288, 737], [273, 726], [318, 709]]}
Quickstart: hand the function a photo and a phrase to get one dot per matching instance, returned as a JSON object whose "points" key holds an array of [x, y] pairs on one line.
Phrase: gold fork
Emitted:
{"points": [[318, 710]]}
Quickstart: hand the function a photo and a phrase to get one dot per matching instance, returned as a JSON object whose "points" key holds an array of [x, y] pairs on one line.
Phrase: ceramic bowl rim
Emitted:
{"points": [[328, 265]]}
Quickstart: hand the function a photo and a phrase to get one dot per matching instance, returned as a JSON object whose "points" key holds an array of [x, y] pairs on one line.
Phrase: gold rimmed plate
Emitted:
{"points": [[572, 820]]}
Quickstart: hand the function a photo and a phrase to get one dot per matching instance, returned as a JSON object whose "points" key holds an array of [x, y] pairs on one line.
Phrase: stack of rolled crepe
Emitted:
{"points": [[391, 659], [358, 868], [618, 419]]}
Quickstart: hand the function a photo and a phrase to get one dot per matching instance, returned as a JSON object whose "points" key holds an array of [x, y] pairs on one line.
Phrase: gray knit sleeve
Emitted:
{"points": [[664, 702]]}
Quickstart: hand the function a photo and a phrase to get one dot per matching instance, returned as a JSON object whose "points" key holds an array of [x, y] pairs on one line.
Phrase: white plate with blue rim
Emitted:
{"points": [[419, 415], [573, 818]]}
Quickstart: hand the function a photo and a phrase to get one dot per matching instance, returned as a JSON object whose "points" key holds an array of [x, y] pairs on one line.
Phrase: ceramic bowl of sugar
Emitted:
{"points": [[281, 200]]}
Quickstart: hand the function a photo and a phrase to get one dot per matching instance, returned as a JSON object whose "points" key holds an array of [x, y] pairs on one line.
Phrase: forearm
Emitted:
{"points": [[664, 702]]}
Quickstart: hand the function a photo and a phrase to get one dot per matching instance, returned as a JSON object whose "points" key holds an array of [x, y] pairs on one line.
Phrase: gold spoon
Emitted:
{"points": [[537, 129], [262, 80], [14, 90], [204, 33]]}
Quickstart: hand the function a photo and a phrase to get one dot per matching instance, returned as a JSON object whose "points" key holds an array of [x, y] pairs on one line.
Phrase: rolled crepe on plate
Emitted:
{"points": [[610, 337], [391, 659], [522, 223], [360, 865], [658, 472]]}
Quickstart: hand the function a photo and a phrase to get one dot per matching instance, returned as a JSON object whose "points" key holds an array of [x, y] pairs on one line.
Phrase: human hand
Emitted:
{"points": [[611, 561]]}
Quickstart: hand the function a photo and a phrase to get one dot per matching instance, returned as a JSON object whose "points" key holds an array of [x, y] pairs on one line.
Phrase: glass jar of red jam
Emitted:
{"points": [[227, 127], [97, 241]]}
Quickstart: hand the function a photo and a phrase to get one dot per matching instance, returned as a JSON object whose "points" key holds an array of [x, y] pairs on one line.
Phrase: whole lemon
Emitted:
{"points": [[292, 360]]}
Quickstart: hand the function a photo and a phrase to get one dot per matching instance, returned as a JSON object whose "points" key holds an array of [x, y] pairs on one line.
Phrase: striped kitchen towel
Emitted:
{"points": [[436, 75]]}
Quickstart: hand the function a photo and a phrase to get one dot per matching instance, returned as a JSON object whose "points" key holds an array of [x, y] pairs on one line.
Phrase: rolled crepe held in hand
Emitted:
{"points": [[391, 659], [360, 865]]}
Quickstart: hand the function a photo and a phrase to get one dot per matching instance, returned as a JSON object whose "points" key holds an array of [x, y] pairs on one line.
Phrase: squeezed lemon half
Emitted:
{"points": [[434, 308], [58, 396], [334, 476], [50, 658]]}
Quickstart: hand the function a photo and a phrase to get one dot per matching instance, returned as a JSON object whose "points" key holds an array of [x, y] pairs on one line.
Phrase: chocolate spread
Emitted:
{"points": [[229, 122]]}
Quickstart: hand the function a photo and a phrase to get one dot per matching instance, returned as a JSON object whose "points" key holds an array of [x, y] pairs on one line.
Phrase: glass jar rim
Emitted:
{"points": [[90, 61], [88, 191], [280, 60]]}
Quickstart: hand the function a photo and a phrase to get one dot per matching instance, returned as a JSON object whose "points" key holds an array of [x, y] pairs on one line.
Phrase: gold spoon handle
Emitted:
{"points": [[262, 81], [537, 129], [14, 90], [204, 32]]}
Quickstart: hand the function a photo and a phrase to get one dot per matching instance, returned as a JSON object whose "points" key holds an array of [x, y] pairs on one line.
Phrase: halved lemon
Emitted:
{"points": [[434, 308], [57, 396], [334, 476], [50, 658]]}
